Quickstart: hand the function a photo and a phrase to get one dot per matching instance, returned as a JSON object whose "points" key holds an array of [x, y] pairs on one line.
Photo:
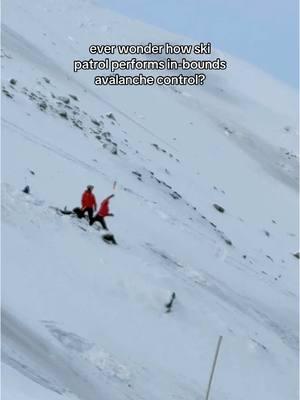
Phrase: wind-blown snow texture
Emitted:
{"points": [[85, 320]]}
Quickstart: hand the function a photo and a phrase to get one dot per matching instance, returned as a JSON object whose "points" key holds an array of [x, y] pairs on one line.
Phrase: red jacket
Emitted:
{"points": [[104, 208], [88, 200]]}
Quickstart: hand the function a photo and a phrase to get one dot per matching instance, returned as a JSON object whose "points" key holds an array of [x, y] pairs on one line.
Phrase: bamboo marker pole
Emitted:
{"points": [[213, 367]]}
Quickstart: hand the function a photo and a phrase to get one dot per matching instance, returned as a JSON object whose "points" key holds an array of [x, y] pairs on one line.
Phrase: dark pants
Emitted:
{"points": [[80, 213], [101, 220]]}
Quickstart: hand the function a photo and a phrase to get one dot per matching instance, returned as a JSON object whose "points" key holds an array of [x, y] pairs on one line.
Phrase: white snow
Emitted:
{"points": [[85, 320]]}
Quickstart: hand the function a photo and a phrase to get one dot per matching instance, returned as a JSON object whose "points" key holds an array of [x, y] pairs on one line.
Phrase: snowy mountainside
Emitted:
{"points": [[85, 320]]}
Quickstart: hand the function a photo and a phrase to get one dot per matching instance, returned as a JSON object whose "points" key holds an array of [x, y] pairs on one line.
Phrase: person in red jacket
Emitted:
{"points": [[103, 212], [88, 203]]}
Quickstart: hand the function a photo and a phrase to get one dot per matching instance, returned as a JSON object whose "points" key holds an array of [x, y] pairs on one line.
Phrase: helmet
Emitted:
{"points": [[90, 187]]}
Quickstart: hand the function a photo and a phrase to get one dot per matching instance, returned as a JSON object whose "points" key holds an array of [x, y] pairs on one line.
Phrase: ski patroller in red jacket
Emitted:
{"points": [[104, 208], [88, 200]]}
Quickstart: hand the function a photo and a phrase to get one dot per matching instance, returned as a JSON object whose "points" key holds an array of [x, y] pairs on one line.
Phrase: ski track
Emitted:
{"points": [[55, 372], [67, 369]]}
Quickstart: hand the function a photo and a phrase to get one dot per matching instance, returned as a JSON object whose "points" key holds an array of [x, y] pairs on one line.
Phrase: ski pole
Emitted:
{"points": [[213, 367]]}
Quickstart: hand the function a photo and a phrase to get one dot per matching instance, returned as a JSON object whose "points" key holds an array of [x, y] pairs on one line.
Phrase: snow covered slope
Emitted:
{"points": [[85, 320]]}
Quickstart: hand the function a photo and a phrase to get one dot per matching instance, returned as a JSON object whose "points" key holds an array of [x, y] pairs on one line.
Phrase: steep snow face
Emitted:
{"points": [[85, 320]]}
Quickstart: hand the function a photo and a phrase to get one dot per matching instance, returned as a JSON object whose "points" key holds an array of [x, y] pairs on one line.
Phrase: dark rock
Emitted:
{"points": [[65, 100], [32, 172], [136, 173], [155, 145], [26, 189], [111, 116], [95, 122], [175, 195], [73, 97], [13, 81], [63, 114], [7, 93], [267, 233], [77, 123], [262, 346], [33, 96], [228, 130], [297, 255], [42, 105], [46, 79], [219, 208], [166, 185], [114, 150]]}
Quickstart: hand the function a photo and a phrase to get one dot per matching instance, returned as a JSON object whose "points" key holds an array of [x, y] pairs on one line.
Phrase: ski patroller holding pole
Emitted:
{"points": [[213, 367]]}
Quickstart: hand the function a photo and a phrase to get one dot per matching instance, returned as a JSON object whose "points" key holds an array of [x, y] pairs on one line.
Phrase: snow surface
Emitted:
{"points": [[85, 320]]}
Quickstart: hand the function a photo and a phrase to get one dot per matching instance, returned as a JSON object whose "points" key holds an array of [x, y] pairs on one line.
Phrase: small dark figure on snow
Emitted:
{"points": [[103, 212], [170, 303], [88, 203]]}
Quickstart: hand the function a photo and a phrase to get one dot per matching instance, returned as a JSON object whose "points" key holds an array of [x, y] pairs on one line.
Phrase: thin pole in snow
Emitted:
{"points": [[213, 367]]}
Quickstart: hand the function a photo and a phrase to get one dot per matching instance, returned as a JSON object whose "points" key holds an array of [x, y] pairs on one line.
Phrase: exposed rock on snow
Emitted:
{"points": [[219, 208]]}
